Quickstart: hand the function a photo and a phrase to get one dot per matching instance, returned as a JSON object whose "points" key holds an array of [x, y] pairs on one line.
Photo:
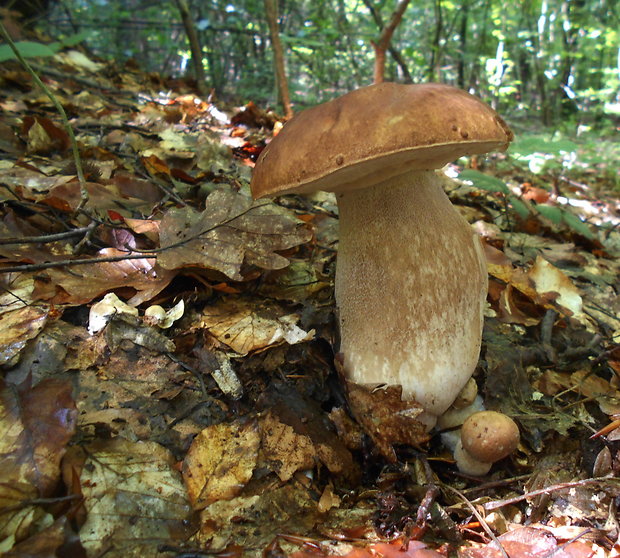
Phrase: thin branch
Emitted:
{"points": [[47, 238], [479, 517], [548, 489], [142, 256]]}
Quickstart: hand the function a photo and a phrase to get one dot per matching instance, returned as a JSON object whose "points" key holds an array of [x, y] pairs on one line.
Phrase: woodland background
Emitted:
{"points": [[555, 61]]}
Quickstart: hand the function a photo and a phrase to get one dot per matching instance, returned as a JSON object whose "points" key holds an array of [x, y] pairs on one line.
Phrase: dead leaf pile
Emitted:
{"points": [[169, 385]]}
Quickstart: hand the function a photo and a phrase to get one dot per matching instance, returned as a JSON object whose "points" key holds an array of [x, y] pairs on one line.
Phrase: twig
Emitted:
{"points": [[552, 488], [479, 517], [142, 256], [63, 115], [63, 263], [47, 238]]}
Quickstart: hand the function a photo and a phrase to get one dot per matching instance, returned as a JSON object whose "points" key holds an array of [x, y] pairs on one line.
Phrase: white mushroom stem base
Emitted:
{"points": [[411, 284]]}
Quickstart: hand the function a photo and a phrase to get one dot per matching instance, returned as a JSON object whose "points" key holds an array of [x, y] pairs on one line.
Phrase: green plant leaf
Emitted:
{"points": [[554, 214], [559, 216], [529, 145], [28, 49], [484, 181], [75, 39], [577, 224], [519, 207]]}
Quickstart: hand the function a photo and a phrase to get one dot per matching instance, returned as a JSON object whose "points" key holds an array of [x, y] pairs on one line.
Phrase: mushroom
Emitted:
{"points": [[411, 278], [486, 437]]}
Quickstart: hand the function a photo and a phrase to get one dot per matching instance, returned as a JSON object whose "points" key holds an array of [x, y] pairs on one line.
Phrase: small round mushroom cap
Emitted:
{"points": [[375, 133], [489, 436]]}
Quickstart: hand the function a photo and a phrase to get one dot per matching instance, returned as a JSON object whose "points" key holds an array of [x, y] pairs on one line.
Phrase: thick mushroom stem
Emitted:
{"points": [[410, 287]]}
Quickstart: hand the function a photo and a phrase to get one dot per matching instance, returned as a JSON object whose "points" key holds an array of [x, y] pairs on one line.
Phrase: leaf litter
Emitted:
{"points": [[228, 430]]}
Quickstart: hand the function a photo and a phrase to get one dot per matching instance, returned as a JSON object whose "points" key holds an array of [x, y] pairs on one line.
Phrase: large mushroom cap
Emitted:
{"points": [[375, 133]]}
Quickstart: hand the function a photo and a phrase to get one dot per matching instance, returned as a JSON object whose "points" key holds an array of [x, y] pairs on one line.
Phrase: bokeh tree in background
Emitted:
{"points": [[548, 59]]}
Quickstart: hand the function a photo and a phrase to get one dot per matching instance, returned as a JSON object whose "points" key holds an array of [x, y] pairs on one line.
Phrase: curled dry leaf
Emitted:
{"points": [[245, 326], [17, 328], [386, 418], [549, 279], [544, 284], [80, 284], [231, 230], [220, 462], [295, 436]]}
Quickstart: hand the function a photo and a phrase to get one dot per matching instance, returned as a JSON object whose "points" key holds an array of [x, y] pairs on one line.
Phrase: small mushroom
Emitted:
{"points": [[486, 437], [467, 395], [411, 278]]}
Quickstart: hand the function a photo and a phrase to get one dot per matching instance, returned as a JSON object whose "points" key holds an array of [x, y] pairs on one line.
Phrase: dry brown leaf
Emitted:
{"points": [[394, 549], [231, 231], [134, 498], [286, 451], [544, 284], [44, 136], [46, 542], [220, 462], [245, 326], [549, 279], [529, 542], [295, 435], [15, 291], [253, 521], [17, 327], [36, 423], [18, 518], [80, 284], [386, 418]]}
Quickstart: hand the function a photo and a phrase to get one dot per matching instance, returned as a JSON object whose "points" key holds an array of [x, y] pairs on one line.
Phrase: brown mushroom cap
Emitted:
{"points": [[489, 436], [375, 133]]}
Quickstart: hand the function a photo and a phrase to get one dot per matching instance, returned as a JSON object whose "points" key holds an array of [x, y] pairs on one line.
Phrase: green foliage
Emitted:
{"points": [[561, 216], [28, 49], [556, 60], [543, 154], [555, 214], [31, 49], [484, 181]]}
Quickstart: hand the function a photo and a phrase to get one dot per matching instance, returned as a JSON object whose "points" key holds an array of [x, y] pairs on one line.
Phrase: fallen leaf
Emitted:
{"points": [[220, 462], [386, 418], [529, 542], [36, 424], [245, 326], [286, 451], [295, 436], [80, 284], [549, 279], [17, 327], [231, 230], [133, 496]]}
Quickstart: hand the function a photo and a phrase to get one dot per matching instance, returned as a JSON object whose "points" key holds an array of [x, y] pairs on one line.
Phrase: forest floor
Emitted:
{"points": [[169, 384]]}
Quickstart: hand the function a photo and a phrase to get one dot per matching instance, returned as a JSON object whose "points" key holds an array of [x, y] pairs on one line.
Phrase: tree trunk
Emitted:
{"points": [[436, 46], [460, 67], [271, 11], [194, 45], [382, 45]]}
